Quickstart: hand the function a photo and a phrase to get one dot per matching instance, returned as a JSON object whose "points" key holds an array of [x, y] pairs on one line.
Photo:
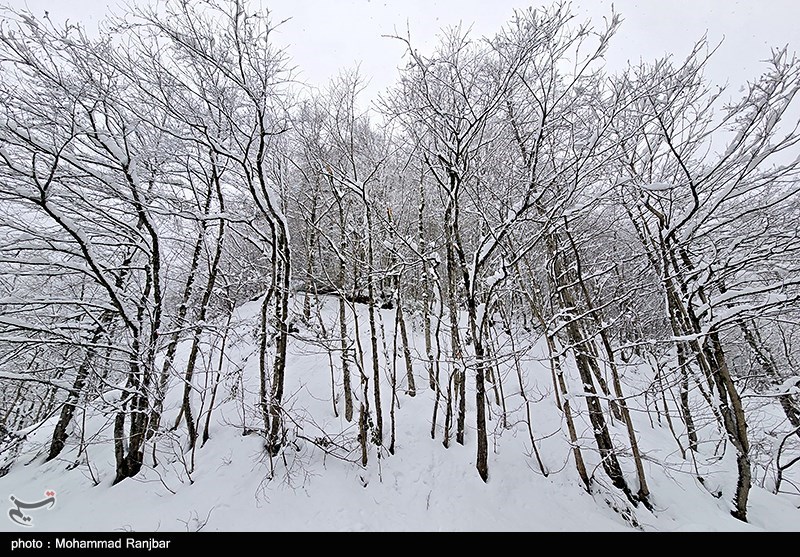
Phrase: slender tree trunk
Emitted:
{"points": [[217, 373], [712, 360], [578, 340], [119, 446], [179, 323], [60, 432], [401, 322], [373, 333], [482, 458], [435, 364], [496, 377], [281, 345], [393, 381], [580, 465], [343, 335], [524, 395], [426, 288], [345, 349], [620, 404], [686, 412], [448, 412], [735, 423], [363, 408], [197, 333], [263, 375], [312, 242]]}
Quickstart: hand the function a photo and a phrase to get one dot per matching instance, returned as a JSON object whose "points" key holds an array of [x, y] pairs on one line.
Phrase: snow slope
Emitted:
{"points": [[233, 486]]}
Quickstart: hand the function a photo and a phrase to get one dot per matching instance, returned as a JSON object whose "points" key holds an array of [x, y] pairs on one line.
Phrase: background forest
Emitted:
{"points": [[510, 246]]}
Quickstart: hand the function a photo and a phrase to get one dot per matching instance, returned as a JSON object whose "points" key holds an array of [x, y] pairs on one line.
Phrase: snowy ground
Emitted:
{"points": [[232, 486]]}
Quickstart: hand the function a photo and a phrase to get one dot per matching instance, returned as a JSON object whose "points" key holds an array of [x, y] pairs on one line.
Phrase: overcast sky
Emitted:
{"points": [[325, 35]]}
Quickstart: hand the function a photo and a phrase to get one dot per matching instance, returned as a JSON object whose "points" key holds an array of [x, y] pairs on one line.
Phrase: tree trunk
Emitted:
{"points": [[373, 332], [401, 322], [348, 390]]}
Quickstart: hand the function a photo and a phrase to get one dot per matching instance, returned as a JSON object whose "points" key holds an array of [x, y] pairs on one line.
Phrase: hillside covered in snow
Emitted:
{"points": [[229, 483]]}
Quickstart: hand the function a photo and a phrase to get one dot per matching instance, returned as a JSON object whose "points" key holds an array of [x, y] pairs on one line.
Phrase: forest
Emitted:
{"points": [[507, 209]]}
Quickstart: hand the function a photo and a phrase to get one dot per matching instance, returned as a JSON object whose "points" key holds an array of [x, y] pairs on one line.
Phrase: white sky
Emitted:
{"points": [[326, 35]]}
